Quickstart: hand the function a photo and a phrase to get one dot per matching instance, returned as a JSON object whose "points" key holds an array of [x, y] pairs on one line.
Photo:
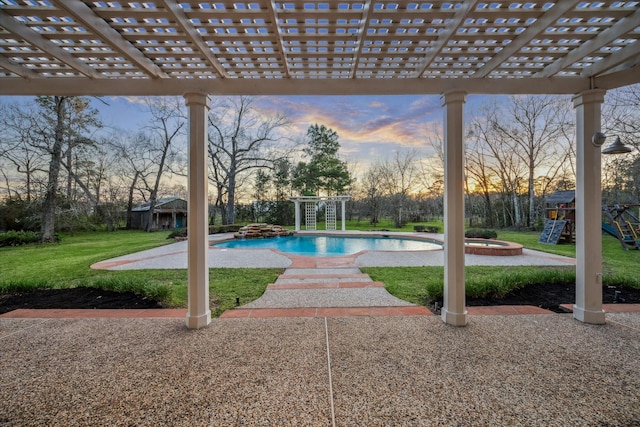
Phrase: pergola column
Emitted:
{"points": [[588, 306], [454, 311], [296, 207], [344, 202], [198, 312]]}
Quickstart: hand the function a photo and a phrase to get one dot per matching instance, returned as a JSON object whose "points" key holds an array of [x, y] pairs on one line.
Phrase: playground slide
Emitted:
{"points": [[609, 230]]}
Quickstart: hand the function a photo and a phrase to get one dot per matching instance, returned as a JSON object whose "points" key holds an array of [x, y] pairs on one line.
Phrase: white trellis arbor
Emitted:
{"points": [[451, 48], [310, 204]]}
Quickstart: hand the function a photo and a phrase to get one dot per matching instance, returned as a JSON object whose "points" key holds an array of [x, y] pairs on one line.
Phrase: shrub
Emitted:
{"points": [[178, 232], [479, 233], [213, 229], [18, 238], [139, 286], [228, 228]]}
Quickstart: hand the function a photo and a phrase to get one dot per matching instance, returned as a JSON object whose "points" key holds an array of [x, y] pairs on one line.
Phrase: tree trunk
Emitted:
{"points": [[489, 216], [231, 203], [68, 166], [516, 211], [49, 208], [532, 195], [152, 206], [130, 200]]}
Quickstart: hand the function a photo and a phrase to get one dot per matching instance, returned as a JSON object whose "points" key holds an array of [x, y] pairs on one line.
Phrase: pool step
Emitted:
{"points": [[317, 271], [325, 285], [322, 278], [346, 291]]}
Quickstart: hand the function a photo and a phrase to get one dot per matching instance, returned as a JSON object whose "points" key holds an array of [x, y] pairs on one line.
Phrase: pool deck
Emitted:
{"points": [[175, 256]]}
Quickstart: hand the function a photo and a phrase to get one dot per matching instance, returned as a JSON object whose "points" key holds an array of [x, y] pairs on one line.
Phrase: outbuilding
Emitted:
{"points": [[168, 213]]}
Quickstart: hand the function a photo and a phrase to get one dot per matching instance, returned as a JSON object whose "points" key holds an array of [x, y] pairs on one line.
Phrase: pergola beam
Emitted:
{"points": [[16, 68], [181, 19], [525, 37], [622, 56], [362, 32], [9, 23], [229, 87], [607, 36], [83, 13], [279, 38], [620, 78], [445, 35]]}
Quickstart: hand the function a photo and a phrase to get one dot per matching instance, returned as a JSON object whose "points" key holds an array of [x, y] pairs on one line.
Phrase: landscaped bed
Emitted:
{"points": [[548, 296]]}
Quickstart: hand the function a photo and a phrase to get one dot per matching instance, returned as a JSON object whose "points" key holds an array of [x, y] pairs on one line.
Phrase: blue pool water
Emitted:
{"points": [[330, 245]]}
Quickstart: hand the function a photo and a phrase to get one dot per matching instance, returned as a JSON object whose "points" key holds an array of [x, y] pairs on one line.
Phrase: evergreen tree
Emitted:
{"points": [[325, 171]]}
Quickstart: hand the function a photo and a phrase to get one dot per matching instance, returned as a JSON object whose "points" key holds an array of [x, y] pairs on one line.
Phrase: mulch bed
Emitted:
{"points": [[547, 296], [550, 296], [74, 298]]}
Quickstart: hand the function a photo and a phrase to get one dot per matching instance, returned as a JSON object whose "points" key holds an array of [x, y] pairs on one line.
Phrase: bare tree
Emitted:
{"points": [[479, 171], [622, 114], [372, 192], [502, 160], [399, 175], [621, 118], [17, 148], [164, 132], [534, 129], [240, 140], [139, 165], [60, 120]]}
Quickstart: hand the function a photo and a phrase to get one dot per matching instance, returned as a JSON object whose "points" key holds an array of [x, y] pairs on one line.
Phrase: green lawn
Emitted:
{"points": [[67, 264], [421, 285]]}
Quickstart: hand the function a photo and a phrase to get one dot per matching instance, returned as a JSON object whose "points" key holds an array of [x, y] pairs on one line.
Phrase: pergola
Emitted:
{"points": [[310, 203], [450, 48]]}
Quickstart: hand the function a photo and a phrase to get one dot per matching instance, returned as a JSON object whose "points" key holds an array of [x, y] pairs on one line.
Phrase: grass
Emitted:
{"points": [[387, 224], [421, 285], [67, 264]]}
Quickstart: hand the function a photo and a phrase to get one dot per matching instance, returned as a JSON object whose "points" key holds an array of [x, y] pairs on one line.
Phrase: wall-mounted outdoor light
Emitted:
{"points": [[617, 147]]}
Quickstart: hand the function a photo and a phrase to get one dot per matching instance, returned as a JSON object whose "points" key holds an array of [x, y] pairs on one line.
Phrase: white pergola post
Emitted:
{"points": [[344, 227], [453, 310], [296, 207], [588, 306], [198, 312]]}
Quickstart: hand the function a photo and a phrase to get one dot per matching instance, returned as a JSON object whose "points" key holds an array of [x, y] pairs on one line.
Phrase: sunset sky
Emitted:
{"points": [[369, 127]]}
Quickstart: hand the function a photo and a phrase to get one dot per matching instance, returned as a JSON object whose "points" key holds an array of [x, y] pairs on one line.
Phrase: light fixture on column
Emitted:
{"points": [[617, 147]]}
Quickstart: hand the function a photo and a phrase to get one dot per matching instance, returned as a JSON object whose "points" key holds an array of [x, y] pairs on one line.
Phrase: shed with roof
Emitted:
{"points": [[168, 213]]}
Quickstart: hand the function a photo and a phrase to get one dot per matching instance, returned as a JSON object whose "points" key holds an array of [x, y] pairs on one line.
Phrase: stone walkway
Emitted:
{"points": [[326, 292]]}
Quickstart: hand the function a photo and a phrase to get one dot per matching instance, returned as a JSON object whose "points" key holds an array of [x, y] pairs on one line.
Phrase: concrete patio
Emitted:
{"points": [[324, 346], [533, 370]]}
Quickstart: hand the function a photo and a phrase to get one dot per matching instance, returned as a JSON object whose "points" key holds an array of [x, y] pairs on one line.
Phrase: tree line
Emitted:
{"points": [[63, 169]]}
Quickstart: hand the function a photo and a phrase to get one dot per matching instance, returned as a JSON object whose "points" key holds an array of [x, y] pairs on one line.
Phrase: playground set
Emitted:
{"points": [[617, 220]]}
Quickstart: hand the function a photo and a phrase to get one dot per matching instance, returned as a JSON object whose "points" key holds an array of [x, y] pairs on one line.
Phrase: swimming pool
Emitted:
{"points": [[323, 246]]}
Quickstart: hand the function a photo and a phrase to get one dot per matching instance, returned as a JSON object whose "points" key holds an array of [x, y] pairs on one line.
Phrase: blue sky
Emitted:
{"points": [[369, 127]]}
